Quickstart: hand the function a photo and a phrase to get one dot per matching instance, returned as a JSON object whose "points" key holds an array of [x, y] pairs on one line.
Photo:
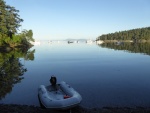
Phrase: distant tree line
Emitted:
{"points": [[10, 22], [134, 35]]}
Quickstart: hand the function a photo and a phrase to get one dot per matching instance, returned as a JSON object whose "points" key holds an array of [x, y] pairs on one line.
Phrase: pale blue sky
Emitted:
{"points": [[88, 19]]}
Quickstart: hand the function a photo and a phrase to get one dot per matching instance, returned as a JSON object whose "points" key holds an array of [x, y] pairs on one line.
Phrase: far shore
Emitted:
{"points": [[13, 108]]}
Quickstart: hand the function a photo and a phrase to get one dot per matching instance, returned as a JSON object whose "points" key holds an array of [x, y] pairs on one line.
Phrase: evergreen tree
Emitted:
{"points": [[134, 34], [9, 20]]}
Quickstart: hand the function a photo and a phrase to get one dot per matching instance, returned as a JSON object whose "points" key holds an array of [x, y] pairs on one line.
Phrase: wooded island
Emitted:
{"points": [[134, 35]]}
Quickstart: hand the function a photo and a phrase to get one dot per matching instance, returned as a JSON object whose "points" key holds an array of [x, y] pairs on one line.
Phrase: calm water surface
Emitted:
{"points": [[104, 77]]}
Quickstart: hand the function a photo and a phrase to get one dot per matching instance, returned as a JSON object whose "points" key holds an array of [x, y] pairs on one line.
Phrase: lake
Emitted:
{"points": [[103, 75]]}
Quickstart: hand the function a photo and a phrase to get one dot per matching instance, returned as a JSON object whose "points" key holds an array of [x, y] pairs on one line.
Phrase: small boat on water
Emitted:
{"points": [[59, 96]]}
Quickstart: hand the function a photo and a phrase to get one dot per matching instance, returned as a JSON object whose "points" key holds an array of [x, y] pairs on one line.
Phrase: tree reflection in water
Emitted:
{"points": [[143, 48], [11, 69]]}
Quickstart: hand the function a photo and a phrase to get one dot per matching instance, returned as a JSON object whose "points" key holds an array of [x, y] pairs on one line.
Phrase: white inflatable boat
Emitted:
{"points": [[63, 96]]}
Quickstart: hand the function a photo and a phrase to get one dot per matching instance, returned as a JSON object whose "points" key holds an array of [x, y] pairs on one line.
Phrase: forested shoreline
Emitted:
{"points": [[10, 22], [135, 35]]}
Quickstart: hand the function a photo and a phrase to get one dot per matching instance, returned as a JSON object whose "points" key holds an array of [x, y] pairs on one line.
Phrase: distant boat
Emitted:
{"points": [[89, 41], [49, 41], [36, 43], [70, 42], [75, 41], [99, 42], [119, 43], [62, 97]]}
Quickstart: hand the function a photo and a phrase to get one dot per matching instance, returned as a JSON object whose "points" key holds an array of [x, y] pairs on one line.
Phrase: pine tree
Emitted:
{"points": [[9, 20]]}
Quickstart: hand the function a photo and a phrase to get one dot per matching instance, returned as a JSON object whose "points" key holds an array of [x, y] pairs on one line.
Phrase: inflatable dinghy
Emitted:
{"points": [[61, 96]]}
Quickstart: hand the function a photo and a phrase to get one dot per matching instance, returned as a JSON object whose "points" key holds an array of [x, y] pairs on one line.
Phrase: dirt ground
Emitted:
{"points": [[4, 108]]}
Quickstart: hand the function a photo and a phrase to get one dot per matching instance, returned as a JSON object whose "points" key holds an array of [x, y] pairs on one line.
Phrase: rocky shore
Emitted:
{"points": [[11, 108]]}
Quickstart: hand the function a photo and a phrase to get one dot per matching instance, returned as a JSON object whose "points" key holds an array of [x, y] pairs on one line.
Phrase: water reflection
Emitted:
{"points": [[130, 47], [11, 69]]}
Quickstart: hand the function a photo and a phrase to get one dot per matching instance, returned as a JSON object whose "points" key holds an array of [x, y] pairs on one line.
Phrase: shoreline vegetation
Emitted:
{"points": [[134, 35], [10, 22], [14, 108]]}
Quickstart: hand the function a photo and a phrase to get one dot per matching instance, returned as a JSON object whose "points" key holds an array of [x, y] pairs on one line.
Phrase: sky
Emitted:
{"points": [[80, 19]]}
